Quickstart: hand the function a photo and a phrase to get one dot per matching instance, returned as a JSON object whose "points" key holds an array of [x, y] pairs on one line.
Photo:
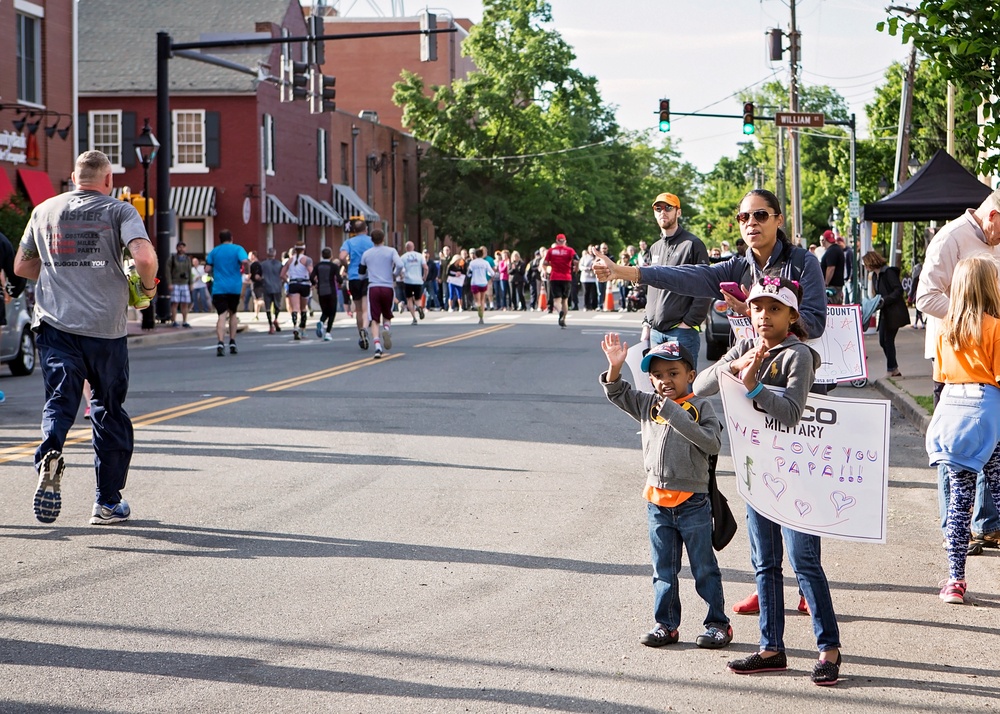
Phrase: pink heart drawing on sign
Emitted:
{"points": [[841, 501], [774, 484], [802, 507]]}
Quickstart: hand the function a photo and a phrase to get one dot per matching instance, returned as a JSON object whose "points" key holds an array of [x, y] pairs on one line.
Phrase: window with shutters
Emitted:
{"points": [[106, 135], [189, 141]]}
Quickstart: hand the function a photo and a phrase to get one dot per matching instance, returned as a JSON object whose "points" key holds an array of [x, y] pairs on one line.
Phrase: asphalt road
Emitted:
{"points": [[457, 528]]}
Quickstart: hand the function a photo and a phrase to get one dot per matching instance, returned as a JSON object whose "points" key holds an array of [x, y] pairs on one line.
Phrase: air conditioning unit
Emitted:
{"points": [[369, 115]]}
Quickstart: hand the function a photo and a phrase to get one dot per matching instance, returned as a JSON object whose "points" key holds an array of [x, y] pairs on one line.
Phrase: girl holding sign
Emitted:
{"points": [[778, 357], [964, 433]]}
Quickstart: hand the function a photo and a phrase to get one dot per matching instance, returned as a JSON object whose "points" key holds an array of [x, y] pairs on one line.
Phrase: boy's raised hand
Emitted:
{"points": [[615, 350]]}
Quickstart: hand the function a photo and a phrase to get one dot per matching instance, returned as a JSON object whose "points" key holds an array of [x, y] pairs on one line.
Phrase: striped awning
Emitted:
{"points": [[186, 201], [348, 203], [277, 212], [192, 201], [317, 213]]}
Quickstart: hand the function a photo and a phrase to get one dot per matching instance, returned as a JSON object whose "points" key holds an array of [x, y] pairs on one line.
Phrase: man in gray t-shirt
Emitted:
{"points": [[271, 275], [73, 247]]}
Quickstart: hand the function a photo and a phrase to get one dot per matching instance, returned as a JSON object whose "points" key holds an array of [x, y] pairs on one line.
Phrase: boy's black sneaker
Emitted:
{"points": [[232, 347], [717, 635], [363, 338], [220, 350], [659, 636]]}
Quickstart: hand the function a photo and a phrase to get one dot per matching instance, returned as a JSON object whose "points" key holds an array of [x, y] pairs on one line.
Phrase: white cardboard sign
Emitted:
{"points": [[828, 475], [841, 347]]}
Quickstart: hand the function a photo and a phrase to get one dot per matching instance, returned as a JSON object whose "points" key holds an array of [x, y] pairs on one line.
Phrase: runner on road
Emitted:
{"points": [[350, 254], [480, 273], [563, 261], [380, 264]]}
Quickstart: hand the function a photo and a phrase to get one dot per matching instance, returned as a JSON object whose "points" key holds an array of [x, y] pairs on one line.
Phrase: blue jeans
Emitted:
{"points": [[66, 360], [689, 337], [200, 300], [985, 518], [804, 557], [430, 290], [688, 525]]}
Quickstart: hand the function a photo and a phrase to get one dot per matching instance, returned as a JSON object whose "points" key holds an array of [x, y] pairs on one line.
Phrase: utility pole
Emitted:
{"points": [[950, 140], [793, 95], [903, 150], [779, 169]]}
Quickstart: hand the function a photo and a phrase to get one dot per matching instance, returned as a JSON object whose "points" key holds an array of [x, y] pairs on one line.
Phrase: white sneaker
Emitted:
{"points": [[378, 351], [326, 337], [386, 338]]}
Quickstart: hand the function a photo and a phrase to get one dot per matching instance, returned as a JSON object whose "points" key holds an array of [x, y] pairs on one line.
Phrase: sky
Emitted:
{"points": [[700, 53]]}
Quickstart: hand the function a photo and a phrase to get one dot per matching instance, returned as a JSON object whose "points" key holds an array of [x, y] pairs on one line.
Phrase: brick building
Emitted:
{"points": [[37, 98], [366, 69], [241, 159]]}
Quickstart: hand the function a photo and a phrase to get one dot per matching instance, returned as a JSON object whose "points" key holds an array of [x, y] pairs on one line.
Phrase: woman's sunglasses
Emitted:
{"points": [[760, 215]]}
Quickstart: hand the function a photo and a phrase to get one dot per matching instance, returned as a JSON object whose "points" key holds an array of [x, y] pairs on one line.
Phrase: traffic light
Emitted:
{"points": [[664, 115], [428, 41], [317, 54], [322, 92], [299, 79], [748, 127]]}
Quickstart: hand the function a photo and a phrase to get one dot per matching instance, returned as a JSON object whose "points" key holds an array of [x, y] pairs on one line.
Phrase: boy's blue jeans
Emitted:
{"points": [[66, 360], [804, 556], [688, 525]]}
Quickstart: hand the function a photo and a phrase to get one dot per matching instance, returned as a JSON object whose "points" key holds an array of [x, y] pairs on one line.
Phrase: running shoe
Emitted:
{"points": [[386, 338], [659, 636], [378, 351], [363, 339], [717, 635], [3, 397], [562, 319], [319, 329], [481, 321], [295, 334], [277, 327], [48, 496], [326, 337], [220, 350], [420, 311], [232, 347], [105, 514], [414, 321], [953, 592]]}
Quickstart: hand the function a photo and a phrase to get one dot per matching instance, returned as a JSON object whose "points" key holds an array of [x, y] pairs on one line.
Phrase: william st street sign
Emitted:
{"points": [[799, 119]]}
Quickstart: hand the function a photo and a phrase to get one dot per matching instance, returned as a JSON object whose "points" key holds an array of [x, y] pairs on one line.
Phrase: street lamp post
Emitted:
{"points": [[146, 147]]}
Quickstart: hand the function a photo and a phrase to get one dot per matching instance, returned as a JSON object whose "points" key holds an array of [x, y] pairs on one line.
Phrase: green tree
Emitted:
{"points": [[963, 38], [493, 175]]}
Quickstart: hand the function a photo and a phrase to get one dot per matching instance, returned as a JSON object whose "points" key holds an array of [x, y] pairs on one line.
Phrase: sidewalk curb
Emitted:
{"points": [[906, 404]]}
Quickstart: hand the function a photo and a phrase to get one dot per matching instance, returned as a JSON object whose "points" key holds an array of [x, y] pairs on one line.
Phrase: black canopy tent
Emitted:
{"points": [[940, 191]]}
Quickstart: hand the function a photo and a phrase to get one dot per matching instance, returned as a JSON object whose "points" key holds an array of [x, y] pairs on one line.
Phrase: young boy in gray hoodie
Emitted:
{"points": [[679, 432]]}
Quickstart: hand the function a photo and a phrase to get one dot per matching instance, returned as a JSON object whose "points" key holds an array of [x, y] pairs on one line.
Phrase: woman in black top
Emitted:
{"points": [[893, 313]]}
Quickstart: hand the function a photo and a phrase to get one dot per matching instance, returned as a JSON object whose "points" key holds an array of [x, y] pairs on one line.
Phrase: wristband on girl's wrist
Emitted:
{"points": [[755, 391]]}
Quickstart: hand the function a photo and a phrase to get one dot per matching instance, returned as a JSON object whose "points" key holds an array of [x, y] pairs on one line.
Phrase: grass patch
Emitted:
{"points": [[926, 402]]}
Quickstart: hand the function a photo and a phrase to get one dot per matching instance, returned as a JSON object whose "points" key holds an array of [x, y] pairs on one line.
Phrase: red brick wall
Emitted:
{"points": [[55, 155]]}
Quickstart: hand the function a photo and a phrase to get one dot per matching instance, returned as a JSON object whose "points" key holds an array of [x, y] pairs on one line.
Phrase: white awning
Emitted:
{"points": [[277, 212], [317, 213], [349, 204]]}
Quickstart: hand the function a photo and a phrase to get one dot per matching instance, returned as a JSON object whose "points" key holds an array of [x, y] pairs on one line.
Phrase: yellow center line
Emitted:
{"points": [[466, 336], [79, 436], [350, 367]]}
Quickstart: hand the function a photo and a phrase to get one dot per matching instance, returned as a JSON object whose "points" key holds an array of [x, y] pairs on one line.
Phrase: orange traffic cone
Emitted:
{"points": [[543, 299], [609, 298]]}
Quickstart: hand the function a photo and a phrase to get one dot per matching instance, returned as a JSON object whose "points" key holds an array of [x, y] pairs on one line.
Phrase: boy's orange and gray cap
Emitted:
{"points": [[667, 198]]}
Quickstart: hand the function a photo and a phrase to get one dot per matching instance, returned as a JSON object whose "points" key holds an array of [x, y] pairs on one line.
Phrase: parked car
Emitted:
{"points": [[718, 334], [17, 341]]}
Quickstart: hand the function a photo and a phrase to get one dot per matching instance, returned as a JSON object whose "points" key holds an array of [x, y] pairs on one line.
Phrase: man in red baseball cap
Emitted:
{"points": [[562, 260]]}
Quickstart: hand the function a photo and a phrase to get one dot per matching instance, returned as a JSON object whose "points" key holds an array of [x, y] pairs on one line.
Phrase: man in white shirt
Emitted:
{"points": [[380, 264], [480, 272], [414, 277]]}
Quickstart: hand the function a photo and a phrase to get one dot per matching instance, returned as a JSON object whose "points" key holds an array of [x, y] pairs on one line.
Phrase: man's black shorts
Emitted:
{"points": [[413, 291], [224, 302], [559, 288], [358, 288]]}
